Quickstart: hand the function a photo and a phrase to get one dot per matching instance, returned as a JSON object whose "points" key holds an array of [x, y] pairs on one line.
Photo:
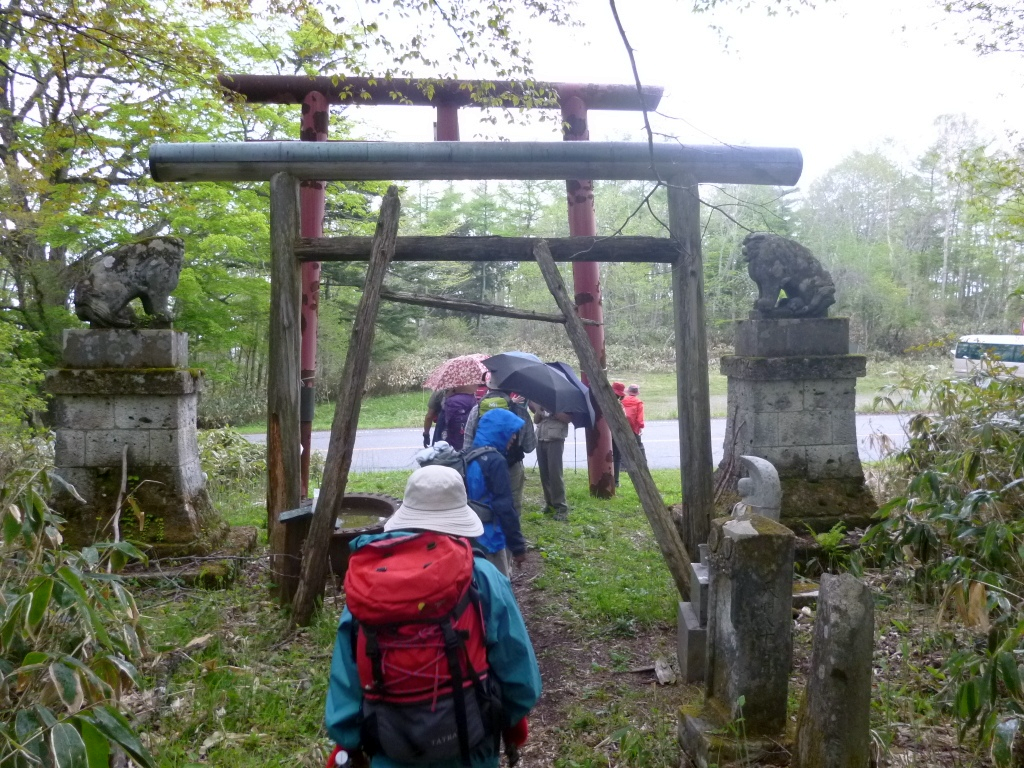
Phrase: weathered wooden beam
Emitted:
{"points": [[444, 248], [476, 307], [283, 375], [315, 559], [696, 463], [665, 532], [428, 91]]}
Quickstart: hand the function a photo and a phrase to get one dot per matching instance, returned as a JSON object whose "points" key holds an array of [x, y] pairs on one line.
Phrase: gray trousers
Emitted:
{"points": [[549, 461], [517, 479], [499, 560]]}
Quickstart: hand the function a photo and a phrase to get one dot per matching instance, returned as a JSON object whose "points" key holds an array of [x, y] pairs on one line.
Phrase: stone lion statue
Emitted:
{"points": [[779, 264], [146, 270]]}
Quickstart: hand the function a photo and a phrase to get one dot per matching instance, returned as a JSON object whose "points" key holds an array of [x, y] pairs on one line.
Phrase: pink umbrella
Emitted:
{"points": [[462, 371]]}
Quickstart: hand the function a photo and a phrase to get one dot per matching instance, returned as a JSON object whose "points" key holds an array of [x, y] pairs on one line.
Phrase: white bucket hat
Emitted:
{"points": [[435, 500]]}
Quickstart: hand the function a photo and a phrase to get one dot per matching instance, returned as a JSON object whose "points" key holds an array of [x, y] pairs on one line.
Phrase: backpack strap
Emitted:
{"points": [[373, 653], [486, 704], [453, 644], [475, 453]]}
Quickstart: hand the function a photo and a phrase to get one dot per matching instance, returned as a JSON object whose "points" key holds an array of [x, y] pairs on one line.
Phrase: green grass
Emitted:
{"points": [[604, 565], [405, 409]]}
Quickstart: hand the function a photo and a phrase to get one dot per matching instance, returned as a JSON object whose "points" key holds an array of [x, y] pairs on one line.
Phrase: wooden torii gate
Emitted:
{"points": [[681, 167], [316, 94]]}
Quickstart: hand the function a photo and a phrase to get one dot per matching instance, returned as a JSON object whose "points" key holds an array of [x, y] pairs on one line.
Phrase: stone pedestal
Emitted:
{"points": [[131, 389], [749, 646], [792, 386]]}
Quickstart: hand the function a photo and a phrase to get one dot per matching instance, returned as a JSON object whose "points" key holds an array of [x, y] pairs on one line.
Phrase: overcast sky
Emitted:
{"points": [[848, 75]]}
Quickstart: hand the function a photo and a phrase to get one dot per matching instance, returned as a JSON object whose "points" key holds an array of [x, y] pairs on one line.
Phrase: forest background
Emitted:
{"points": [[920, 251]]}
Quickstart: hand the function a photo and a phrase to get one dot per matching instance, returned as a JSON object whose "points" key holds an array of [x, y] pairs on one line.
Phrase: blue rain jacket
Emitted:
{"points": [[509, 654], [487, 481]]}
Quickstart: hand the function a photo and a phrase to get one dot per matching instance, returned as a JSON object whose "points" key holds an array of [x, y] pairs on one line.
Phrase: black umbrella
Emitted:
{"points": [[584, 418], [542, 383]]}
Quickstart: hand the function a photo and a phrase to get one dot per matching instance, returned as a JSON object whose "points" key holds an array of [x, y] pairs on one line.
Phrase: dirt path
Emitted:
{"points": [[591, 698]]}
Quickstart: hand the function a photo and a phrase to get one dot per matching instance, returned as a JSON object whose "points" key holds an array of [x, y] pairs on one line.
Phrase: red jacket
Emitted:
{"points": [[634, 408]]}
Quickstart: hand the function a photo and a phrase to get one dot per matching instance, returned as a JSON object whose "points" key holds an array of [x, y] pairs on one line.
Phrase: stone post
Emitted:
{"points": [[833, 726], [749, 645], [692, 628], [131, 389]]}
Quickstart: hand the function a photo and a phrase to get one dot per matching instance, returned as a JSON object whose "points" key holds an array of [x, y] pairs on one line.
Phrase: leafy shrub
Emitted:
{"points": [[833, 551], [69, 638], [959, 525], [224, 404], [225, 454]]}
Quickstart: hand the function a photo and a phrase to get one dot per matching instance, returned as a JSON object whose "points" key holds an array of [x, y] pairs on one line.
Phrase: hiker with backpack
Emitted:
{"points": [[488, 484], [525, 442], [457, 406], [432, 661]]}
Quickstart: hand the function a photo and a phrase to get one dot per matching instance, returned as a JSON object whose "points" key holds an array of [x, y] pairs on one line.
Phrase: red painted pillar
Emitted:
{"points": [[447, 126], [586, 280], [312, 206]]}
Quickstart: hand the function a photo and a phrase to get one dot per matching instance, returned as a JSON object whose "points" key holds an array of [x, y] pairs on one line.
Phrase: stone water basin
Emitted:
{"points": [[361, 513]]}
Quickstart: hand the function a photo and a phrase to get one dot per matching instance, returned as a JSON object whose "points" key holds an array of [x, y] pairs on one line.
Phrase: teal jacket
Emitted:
{"points": [[509, 653]]}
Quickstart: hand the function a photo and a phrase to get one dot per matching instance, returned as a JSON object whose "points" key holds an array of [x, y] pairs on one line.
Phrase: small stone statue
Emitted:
{"points": [[760, 492], [146, 270], [779, 264]]}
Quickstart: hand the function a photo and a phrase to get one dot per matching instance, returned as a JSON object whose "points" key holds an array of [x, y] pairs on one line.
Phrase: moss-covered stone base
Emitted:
{"points": [[239, 542], [707, 739], [175, 515], [817, 504]]}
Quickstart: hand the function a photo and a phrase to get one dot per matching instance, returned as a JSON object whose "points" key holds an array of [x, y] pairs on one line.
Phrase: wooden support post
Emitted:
{"points": [[696, 464], [315, 558], [665, 532], [283, 377]]}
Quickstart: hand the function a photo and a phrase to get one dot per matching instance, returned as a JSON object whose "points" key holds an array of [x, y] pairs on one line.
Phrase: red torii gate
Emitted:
{"points": [[316, 94]]}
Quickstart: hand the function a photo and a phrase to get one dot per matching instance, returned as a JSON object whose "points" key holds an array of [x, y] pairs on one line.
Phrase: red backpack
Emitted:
{"points": [[420, 649]]}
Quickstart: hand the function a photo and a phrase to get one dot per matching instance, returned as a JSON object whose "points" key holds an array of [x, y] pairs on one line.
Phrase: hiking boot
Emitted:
{"points": [[562, 516]]}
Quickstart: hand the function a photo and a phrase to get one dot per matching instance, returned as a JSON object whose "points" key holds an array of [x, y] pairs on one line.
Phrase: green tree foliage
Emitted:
{"points": [[86, 89]]}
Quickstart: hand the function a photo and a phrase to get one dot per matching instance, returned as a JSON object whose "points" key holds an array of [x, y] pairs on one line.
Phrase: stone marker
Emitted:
{"points": [[760, 491], [691, 637], [832, 728], [749, 645]]}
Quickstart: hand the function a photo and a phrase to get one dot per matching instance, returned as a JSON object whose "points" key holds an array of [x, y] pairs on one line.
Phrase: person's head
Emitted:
{"points": [[496, 428], [633, 389], [619, 389], [435, 500]]}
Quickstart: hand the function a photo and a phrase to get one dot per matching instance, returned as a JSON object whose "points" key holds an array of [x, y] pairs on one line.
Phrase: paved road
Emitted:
{"points": [[381, 449]]}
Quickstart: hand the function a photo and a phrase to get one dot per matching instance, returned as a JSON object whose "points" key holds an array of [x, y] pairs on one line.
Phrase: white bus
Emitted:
{"points": [[1007, 351]]}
